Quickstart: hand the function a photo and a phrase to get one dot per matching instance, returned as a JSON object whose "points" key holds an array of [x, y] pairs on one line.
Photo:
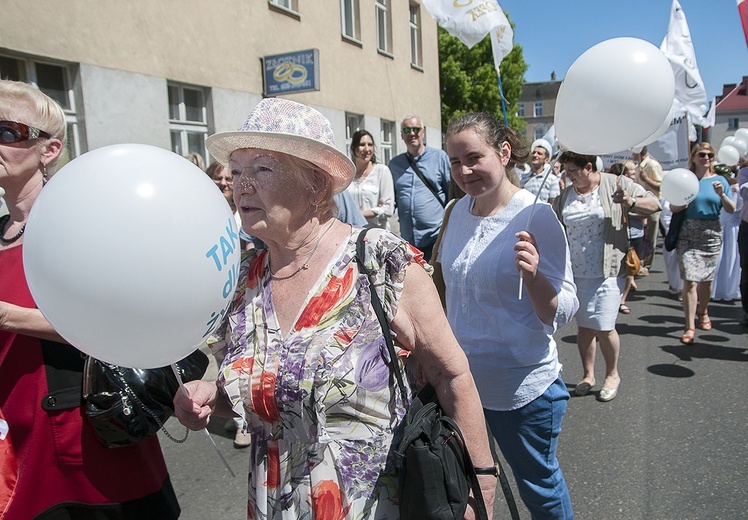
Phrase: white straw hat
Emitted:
{"points": [[280, 125]]}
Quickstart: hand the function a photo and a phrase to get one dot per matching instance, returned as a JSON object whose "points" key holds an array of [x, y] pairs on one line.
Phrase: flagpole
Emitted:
{"points": [[501, 93]]}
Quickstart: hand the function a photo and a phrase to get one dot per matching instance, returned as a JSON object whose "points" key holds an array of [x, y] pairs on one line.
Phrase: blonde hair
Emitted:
{"points": [[45, 113], [698, 147]]}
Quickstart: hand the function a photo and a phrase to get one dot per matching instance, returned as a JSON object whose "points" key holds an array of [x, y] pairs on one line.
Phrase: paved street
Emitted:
{"points": [[672, 445]]}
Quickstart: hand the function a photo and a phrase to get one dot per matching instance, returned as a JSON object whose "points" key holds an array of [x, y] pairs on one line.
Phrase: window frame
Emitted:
{"points": [[358, 120], [520, 110], [292, 9], [416, 37], [352, 7], [383, 24], [537, 109], [386, 145], [183, 127], [733, 123]]}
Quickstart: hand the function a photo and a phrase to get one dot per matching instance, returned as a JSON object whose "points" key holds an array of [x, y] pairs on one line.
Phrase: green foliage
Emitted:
{"points": [[469, 82]]}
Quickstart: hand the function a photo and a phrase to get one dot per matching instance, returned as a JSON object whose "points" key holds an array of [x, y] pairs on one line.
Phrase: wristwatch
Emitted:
{"points": [[633, 201], [490, 470]]}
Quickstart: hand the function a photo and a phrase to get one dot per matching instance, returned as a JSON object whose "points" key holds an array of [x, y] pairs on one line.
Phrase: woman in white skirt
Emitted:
{"points": [[726, 285], [591, 208]]}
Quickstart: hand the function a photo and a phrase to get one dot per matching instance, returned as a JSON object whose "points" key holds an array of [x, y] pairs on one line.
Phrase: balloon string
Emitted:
{"points": [[210, 438], [532, 210]]}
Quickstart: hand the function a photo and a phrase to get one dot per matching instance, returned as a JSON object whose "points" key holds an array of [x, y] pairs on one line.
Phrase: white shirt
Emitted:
{"points": [[376, 189], [512, 354], [585, 226]]}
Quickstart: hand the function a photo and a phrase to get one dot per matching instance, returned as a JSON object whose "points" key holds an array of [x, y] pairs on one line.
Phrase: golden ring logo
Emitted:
{"points": [[289, 72]]}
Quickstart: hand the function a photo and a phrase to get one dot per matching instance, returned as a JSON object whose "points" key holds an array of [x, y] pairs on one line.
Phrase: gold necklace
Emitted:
{"points": [[305, 265]]}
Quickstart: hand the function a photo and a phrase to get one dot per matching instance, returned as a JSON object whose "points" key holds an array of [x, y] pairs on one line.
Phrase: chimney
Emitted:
{"points": [[553, 75], [727, 88]]}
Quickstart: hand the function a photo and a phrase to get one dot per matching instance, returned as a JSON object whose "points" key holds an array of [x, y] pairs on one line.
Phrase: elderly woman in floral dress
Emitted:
{"points": [[304, 360]]}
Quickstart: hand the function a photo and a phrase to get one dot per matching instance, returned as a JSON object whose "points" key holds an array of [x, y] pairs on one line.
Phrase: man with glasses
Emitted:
{"points": [[421, 177], [650, 178]]}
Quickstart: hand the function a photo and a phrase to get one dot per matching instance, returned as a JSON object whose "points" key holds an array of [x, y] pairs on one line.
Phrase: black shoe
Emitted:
{"points": [[744, 321]]}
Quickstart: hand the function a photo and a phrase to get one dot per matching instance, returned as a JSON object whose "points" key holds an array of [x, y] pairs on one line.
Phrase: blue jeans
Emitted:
{"points": [[528, 438]]}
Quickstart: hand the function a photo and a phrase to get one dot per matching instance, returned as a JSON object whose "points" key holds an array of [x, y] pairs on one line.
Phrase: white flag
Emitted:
{"points": [[678, 47], [711, 117], [501, 40], [468, 21]]}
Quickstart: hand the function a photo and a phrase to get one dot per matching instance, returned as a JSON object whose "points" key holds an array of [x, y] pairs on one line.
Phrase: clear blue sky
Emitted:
{"points": [[554, 33]]}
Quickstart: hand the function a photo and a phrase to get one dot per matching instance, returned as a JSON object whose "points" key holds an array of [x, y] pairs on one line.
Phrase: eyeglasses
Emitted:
{"points": [[14, 132], [409, 129], [706, 154]]}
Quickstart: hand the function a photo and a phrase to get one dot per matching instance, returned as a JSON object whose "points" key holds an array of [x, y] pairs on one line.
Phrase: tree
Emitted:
{"points": [[469, 82]]}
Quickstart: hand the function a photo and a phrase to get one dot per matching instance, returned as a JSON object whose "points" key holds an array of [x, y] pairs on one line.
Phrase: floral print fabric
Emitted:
{"points": [[320, 403]]}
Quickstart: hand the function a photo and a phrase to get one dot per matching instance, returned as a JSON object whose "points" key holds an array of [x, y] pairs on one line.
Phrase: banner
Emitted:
{"points": [[743, 12], [468, 20], [671, 150], [678, 47], [501, 40]]}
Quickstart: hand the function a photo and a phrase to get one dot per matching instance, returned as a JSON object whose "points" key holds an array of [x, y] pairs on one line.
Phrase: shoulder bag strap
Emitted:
{"points": [[379, 311], [425, 181]]}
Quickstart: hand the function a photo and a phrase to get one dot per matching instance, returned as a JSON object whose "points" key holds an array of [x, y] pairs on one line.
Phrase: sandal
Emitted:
{"points": [[624, 309], [687, 338], [704, 322]]}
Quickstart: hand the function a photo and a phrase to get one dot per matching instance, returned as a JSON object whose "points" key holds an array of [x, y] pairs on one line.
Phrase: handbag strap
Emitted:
{"points": [[425, 181]]}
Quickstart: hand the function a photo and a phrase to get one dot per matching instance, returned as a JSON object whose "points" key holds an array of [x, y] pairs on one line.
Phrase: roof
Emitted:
{"points": [[734, 97], [540, 90]]}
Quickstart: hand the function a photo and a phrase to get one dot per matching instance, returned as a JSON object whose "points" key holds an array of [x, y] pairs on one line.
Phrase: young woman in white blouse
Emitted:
{"points": [[486, 247], [372, 187]]}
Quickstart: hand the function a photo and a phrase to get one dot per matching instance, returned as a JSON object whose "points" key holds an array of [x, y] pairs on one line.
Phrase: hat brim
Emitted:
{"points": [[339, 167]]}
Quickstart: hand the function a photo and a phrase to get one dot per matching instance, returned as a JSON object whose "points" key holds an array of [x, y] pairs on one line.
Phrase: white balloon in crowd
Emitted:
{"points": [[132, 254], [728, 155], [661, 130], [604, 106], [679, 186], [738, 142]]}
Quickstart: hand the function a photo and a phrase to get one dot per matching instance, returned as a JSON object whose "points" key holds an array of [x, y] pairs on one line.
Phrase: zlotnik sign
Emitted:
{"points": [[290, 72]]}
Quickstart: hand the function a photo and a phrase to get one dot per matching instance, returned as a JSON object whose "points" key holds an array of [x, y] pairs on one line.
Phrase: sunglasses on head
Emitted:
{"points": [[706, 154], [14, 132], [409, 129]]}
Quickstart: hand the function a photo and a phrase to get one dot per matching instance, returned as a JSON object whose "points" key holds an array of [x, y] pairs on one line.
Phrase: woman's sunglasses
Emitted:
{"points": [[14, 132], [706, 154]]}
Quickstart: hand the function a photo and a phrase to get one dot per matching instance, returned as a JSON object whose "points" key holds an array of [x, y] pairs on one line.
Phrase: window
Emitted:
{"points": [[187, 119], [538, 109], [521, 109], [353, 122], [416, 56], [351, 25], [288, 6], [385, 138], [55, 81], [384, 26], [733, 123]]}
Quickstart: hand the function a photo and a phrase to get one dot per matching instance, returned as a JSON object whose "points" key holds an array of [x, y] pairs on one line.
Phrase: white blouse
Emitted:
{"points": [[375, 190], [585, 227]]}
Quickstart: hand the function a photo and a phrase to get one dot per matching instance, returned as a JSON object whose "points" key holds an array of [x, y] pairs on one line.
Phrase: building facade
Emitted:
{"points": [[170, 73], [536, 106], [731, 111]]}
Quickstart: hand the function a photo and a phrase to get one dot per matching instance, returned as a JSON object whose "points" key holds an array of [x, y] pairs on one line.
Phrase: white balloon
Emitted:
{"points": [[679, 186], [662, 129], [604, 106], [742, 133], [728, 140], [132, 254], [741, 145], [728, 155]]}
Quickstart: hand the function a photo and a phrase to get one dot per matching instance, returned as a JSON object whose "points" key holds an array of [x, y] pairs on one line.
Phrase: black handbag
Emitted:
{"points": [[435, 471], [127, 405], [676, 222]]}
